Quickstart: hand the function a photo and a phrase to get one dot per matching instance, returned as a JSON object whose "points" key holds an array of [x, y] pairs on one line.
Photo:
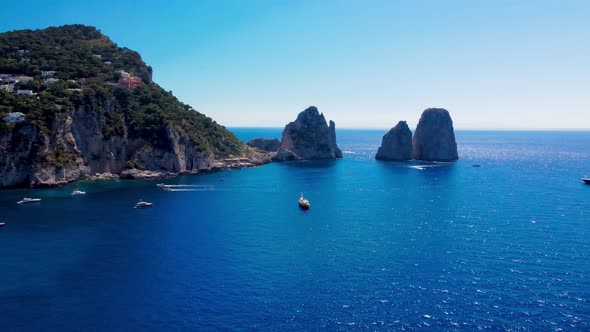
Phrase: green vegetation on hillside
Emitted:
{"points": [[72, 51], [78, 54]]}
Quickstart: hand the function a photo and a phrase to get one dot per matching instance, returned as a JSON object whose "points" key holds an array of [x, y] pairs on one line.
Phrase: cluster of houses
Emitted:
{"points": [[127, 81], [8, 82]]}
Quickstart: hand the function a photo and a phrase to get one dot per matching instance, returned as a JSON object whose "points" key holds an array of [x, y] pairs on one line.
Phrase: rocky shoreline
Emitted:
{"points": [[254, 159], [307, 138]]}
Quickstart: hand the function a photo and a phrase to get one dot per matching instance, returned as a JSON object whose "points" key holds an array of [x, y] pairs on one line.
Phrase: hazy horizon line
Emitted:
{"points": [[413, 128]]}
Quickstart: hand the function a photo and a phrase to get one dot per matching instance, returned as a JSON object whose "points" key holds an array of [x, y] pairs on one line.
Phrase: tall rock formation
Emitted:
{"points": [[396, 144], [434, 139], [309, 137]]}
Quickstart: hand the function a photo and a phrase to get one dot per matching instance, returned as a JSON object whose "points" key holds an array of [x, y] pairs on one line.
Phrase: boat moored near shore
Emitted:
{"points": [[142, 204], [29, 200]]}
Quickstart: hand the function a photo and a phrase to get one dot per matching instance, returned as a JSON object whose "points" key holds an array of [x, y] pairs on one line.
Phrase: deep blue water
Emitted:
{"points": [[384, 247]]}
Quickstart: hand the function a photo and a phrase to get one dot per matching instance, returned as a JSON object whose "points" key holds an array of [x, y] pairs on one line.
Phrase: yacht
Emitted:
{"points": [[2, 224], [29, 200], [78, 192], [142, 204], [586, 180], [304, 203]]}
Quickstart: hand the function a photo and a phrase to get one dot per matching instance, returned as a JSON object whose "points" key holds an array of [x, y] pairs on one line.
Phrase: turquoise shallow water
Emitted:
{"points": [[385, 246]]}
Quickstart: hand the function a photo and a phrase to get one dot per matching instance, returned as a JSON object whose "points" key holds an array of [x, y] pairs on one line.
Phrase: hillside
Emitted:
{"points": [[73, 103]]}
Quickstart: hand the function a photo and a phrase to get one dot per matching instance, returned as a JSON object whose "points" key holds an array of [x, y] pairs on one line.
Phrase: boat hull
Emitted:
{"points": [[142, 206], [304, 204], [304, 207], [586, 180], [29, 201]]}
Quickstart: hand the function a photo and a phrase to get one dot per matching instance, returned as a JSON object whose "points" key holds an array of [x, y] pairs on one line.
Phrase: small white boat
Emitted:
{"points": [[2, 224], [29, 200], [162, 185], [586, 180], [78, 192], [304, 203], [142, 204]]}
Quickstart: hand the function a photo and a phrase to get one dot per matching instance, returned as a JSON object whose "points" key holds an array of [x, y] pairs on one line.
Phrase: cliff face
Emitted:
{"points": [[434, 139], [309, 137], [396, 144], [76, 147]]}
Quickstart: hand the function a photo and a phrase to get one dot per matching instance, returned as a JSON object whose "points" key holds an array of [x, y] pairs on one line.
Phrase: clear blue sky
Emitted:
{"points": [[365, 64]]}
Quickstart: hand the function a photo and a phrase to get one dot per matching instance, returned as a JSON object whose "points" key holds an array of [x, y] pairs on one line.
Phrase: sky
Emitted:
{"points": [[365, 64]]}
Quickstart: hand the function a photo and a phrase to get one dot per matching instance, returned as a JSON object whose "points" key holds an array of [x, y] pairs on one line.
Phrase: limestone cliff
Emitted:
{"points": [[434, 139], [76, 147], [309, 137], [396, 144]]}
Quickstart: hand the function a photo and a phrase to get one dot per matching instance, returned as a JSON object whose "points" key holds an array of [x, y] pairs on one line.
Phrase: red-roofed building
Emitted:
{"points": [[129, 82]]}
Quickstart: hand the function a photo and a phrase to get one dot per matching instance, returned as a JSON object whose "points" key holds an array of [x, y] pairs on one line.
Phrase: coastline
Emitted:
{"points": [[255, 159]]}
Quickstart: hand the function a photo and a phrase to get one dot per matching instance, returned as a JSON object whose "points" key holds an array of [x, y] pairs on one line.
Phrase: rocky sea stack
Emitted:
{"points": [[434, 139], [396, 144], [308, 138]]}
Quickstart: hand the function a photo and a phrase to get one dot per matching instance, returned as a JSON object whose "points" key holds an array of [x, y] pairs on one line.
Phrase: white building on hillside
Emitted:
{"points": [[25, 92], [14, 117], [124, 74], [21, 78], [47, 73], [7, 87]]}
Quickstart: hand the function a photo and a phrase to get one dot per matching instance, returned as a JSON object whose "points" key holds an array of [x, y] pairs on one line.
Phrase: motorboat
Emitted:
{"points": [[143, 204], [2, 224], [304, 203], [586, 180], [78, 192], [29, 200], [162, 185]]}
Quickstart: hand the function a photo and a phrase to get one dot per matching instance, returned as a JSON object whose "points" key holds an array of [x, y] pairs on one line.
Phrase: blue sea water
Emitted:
{"points": [[385, 246]]}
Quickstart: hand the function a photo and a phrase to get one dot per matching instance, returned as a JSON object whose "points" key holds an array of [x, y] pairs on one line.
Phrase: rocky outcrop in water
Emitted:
{"points": [[434, 139], [396, 144], [309, 137], [269, 145]]}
